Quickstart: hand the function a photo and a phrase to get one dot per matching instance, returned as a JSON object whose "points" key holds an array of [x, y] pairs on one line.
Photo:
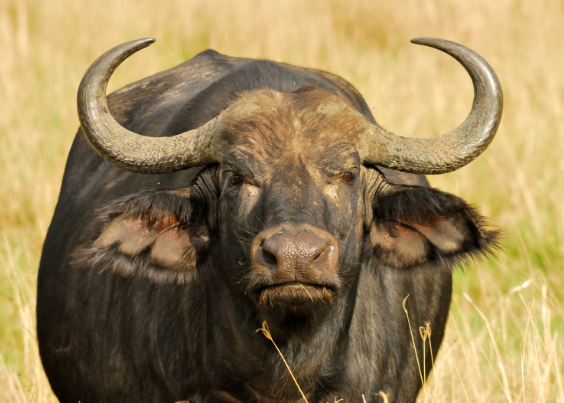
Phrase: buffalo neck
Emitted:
{"points": [[311, 343]]}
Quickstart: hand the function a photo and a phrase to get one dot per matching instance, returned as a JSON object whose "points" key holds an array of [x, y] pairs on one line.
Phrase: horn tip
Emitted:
{"points": [[424, 41], [138, 44], [146, 41]]}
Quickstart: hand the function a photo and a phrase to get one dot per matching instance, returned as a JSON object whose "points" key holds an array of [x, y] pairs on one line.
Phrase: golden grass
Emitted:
{"points": [[266, 333], [503, 343]]}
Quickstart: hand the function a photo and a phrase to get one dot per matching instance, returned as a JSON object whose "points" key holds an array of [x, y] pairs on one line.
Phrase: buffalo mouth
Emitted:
{"points": [[295, 294]]}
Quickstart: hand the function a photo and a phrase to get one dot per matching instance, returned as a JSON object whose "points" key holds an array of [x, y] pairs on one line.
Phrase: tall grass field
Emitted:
{"points": [[505, 336]]}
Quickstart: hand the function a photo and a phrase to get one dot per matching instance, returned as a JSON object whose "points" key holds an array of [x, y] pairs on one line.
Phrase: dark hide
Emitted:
{"points": [[145, 289]]}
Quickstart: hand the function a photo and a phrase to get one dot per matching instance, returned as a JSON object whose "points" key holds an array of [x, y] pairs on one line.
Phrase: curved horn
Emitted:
{"points": [[452, 150], [129, 150]]}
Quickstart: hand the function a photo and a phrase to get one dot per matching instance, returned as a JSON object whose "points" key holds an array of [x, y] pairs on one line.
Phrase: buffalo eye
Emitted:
{"points": [[236, 180], [348, 177]]}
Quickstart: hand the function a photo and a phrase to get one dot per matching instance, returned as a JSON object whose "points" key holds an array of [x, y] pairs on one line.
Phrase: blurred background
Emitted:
{"points": [[505, 338]]}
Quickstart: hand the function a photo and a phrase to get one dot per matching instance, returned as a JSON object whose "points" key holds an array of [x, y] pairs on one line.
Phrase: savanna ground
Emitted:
{"points": [[505, 338]]}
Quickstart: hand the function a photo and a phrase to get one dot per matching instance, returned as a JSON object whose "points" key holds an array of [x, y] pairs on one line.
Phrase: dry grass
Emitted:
{"points": [[502, 344]]}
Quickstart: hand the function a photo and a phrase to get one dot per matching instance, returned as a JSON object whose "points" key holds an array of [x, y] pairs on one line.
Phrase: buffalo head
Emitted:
{"points": [[292, 200]]}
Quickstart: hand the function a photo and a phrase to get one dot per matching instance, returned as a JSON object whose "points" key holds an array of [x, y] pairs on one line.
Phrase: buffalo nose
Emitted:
{"points": [[295, 251]]}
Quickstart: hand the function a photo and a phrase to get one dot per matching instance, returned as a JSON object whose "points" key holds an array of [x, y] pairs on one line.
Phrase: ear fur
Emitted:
{"points": [[413, 226], [161, 235]]}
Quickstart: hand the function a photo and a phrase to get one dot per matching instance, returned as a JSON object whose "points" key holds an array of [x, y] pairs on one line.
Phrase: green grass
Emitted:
{"points": [[414, 91]]}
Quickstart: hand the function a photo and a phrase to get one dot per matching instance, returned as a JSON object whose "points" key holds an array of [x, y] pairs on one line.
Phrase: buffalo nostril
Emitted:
{"points": [[317, 255], [268, 257]]}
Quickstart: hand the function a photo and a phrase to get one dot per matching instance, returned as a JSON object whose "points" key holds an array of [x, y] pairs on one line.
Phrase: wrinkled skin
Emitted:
{"points": [[152, 287]]}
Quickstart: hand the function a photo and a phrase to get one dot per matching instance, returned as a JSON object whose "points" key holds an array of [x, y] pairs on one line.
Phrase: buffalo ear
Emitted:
{"points": [[160, 235], [413, 226]]}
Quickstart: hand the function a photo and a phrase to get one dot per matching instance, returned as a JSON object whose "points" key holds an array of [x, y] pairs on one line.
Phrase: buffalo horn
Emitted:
{"points": [[452, 150], [129, 150]]}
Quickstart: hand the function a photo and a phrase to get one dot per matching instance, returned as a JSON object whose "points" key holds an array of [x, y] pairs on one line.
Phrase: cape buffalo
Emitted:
{"points": [[205, 200]]}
